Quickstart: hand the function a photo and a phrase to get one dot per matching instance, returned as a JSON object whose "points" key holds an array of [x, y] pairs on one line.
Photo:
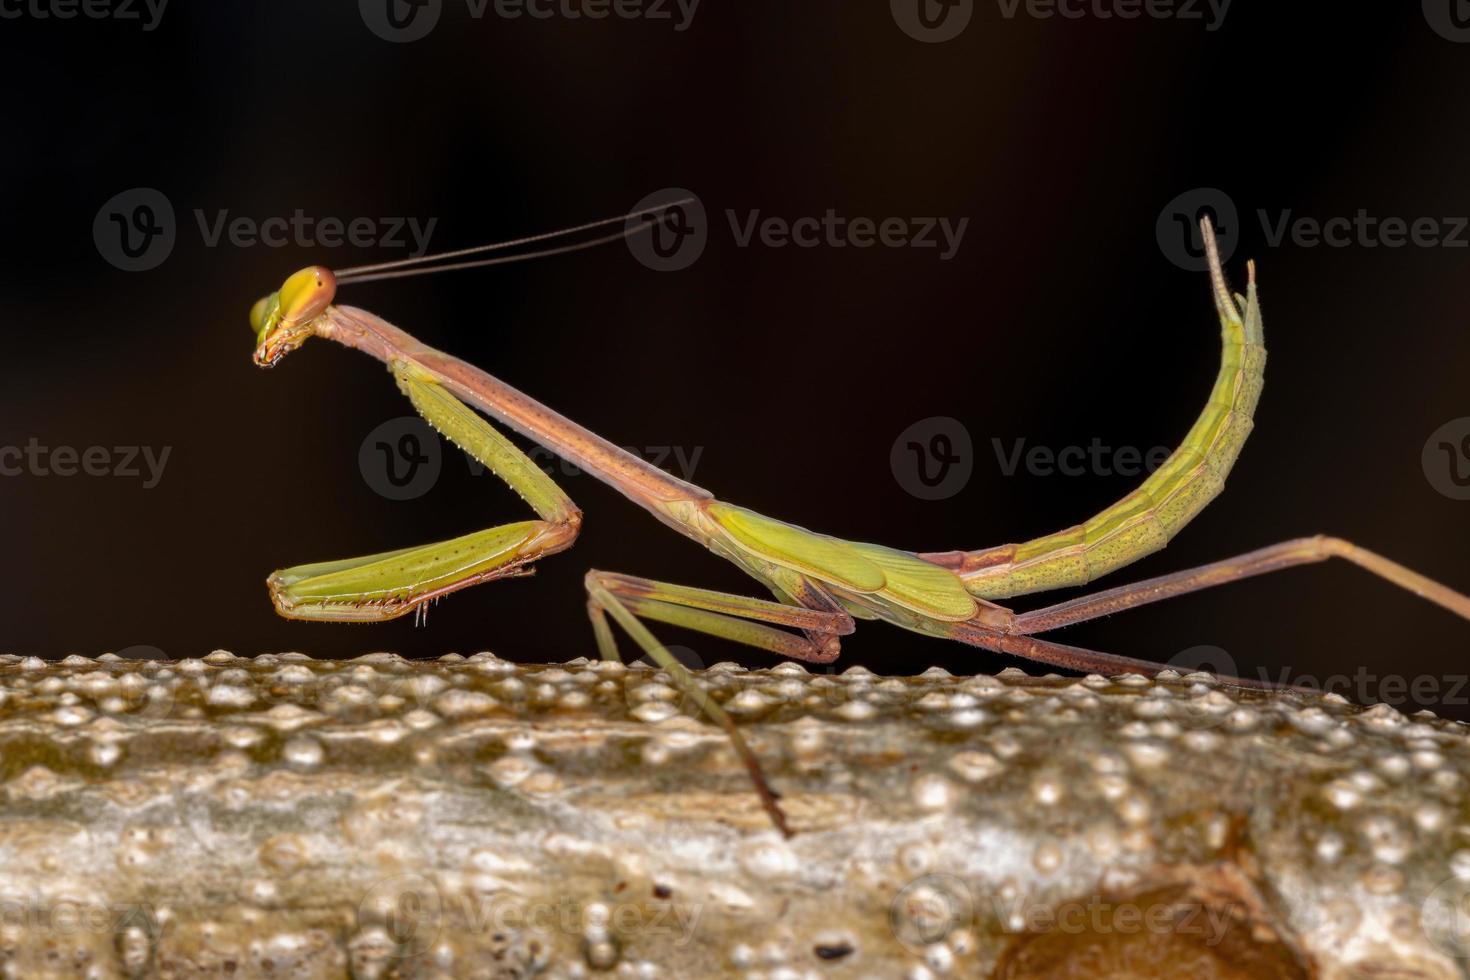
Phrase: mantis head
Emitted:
{"points": [[283, 320]]}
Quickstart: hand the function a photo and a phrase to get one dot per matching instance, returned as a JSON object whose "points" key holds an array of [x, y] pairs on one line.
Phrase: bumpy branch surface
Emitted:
{"points": [[283, 816]]}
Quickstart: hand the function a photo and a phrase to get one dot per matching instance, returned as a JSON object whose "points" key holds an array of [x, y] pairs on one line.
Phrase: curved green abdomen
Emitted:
{"points": [[1147, 518]]}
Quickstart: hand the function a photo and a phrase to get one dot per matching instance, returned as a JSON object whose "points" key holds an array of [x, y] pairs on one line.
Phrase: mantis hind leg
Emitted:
{"points": [[393, 583], [1016, 637], [1287, 554], [629, 600]]}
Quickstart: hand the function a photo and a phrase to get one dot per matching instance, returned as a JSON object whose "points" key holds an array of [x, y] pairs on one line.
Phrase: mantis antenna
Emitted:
{"points": [[424, 264]]}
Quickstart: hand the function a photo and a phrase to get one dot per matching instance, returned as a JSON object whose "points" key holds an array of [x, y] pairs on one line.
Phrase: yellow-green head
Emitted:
{"points": [[283, 320]]}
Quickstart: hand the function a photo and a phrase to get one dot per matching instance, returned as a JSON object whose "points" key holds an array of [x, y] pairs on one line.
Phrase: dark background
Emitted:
{"points": [[793, 370]]}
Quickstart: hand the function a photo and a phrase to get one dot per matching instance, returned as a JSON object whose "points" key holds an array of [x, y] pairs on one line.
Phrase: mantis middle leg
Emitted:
{"points": [[629, 600]]}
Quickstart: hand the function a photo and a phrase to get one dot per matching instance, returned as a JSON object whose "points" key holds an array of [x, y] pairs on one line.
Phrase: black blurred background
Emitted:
{"points": [[791, 371]]}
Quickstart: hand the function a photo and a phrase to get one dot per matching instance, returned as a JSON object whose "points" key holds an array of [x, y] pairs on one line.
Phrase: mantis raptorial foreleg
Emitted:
{"points": [[628, 600], [391, 584]]}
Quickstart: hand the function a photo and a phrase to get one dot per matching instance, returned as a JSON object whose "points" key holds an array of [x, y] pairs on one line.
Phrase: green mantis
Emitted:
{"points": [[822, 585]]}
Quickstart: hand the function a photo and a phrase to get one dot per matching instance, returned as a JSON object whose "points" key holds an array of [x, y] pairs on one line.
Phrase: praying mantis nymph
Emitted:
{"points": [[822, 584]]}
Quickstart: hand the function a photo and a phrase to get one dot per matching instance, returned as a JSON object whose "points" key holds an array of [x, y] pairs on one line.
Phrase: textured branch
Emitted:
{"points": [[283, 816]]}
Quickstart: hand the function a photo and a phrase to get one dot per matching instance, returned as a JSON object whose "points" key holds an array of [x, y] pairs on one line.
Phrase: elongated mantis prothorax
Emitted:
{"points": [[821, 584]]}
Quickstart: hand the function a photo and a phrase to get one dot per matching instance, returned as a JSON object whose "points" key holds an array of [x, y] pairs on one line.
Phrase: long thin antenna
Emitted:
{"points": [[420, 265]]}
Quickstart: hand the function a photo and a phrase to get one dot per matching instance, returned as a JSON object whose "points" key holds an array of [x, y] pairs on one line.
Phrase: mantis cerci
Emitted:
{"points": [[821, 584]]}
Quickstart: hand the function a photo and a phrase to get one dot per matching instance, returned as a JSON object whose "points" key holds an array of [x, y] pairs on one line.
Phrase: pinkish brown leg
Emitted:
{"points": [[1300, 551], [732, 617], [1076, 658]]}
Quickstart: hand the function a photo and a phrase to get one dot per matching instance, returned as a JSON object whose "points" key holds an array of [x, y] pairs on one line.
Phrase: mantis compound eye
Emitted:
{"points": [[282, 321], [306, 295], [263, 308]]}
